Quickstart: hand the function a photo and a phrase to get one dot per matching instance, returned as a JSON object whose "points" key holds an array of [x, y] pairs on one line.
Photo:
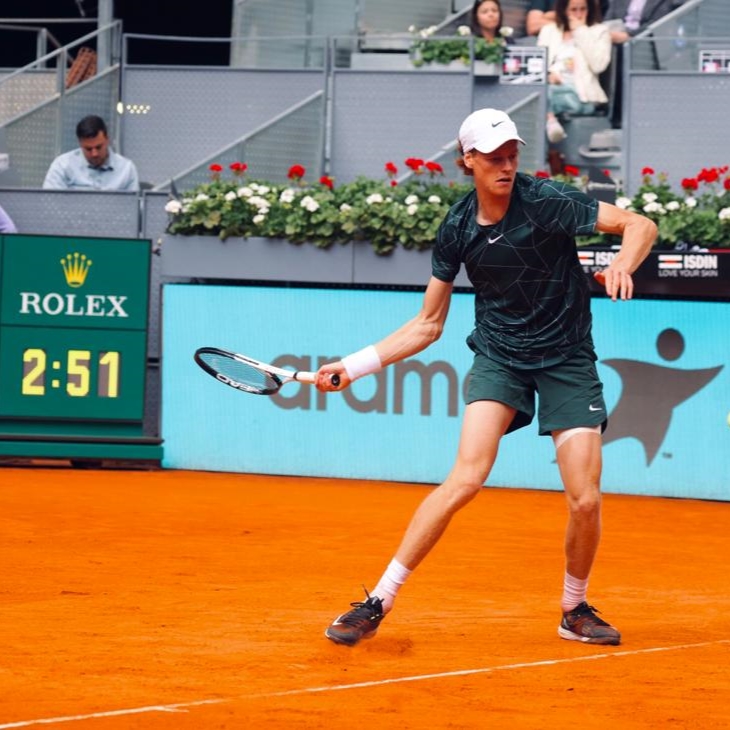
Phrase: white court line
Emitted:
{"points": [[182, 706], [177, 707]]}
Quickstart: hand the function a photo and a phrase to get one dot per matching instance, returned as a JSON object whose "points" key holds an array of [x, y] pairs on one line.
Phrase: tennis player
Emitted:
{"points": [[515, 234]]}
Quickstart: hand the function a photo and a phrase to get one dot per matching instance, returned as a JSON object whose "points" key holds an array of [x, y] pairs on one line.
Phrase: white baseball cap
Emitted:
{"points": [[486, 129]]}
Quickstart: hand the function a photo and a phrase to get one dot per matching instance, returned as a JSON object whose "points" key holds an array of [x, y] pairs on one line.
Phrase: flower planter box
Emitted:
{"points": [[266, 259], [482, 68]]}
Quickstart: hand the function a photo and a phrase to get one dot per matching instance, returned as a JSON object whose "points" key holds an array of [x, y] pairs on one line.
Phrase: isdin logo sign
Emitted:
{"points": [[75, 267]]}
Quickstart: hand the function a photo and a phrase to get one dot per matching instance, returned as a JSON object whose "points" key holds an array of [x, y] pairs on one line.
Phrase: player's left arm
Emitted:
{"points": [[638, 234]]}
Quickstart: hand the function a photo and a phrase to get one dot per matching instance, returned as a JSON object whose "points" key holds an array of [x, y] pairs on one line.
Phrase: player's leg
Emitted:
{"points": [[578, 452], [579, 459], [573, 410], [484, 424]]}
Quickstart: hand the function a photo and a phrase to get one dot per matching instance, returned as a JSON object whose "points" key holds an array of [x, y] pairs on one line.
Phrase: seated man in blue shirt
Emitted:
{"points": [[94, 166]]}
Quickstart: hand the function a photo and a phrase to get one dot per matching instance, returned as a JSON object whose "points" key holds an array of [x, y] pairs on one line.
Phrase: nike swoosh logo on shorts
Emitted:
{"points": [[594, 408]]}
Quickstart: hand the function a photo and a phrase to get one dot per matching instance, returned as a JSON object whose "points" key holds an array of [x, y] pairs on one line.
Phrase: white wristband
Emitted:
{"points": [[363, 362]]}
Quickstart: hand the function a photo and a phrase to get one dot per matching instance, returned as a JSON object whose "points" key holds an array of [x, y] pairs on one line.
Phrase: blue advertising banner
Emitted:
{"points": [[665, 366]]}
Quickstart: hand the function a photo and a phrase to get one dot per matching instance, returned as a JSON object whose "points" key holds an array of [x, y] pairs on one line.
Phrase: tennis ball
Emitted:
{"points": [[728, 419]]}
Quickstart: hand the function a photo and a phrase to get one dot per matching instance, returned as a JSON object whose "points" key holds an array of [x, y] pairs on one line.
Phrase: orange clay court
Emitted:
{"points": [[172, 600]]}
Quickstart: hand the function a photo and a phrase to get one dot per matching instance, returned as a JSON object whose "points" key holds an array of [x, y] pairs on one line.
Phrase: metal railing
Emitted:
{"points": [[45, 78], [296, 134]]}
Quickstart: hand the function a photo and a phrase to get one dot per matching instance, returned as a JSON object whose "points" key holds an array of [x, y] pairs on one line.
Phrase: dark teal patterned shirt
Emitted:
{"points": [[532, 305]]}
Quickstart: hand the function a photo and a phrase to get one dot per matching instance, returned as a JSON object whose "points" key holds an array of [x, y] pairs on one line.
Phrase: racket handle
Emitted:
{"points": [[335, 380]]}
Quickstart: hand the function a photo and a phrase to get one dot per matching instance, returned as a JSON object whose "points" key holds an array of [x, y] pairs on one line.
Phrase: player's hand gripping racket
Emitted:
{"points": [[249, 375]]}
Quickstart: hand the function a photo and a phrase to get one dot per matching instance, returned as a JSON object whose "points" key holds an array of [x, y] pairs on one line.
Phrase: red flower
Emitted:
{"points": [[393, 183], [726, 183], [572, 171], [434, 168], [391, 169], [238, 168], [690, 183], [647, 171], [709, 176], [215, 167], [296, 172], [415, 163], [542, 174], [327, 181]]}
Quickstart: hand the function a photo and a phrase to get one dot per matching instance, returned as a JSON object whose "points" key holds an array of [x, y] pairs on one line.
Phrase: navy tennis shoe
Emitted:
{"points": [[360, 623]]}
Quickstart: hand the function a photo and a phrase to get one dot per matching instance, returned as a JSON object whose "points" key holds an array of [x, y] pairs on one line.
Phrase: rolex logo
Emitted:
{"points": [[75, 268]]}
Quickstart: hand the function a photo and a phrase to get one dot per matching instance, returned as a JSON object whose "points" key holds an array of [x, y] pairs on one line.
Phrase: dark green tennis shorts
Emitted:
{"points": [[569, 394]]}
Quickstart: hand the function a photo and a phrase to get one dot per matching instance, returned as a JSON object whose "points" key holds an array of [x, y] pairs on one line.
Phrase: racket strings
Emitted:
{"points": [[254, 379]]}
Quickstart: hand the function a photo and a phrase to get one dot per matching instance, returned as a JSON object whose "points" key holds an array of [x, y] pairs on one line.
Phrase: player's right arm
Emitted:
{"points": [[409, 339]]}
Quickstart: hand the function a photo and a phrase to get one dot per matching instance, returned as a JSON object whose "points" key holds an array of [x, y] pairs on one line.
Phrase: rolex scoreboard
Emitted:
{"points": [[74, 316]]}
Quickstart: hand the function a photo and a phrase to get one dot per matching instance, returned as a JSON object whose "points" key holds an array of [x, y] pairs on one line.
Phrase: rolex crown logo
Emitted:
{"points": [[75, 268]]}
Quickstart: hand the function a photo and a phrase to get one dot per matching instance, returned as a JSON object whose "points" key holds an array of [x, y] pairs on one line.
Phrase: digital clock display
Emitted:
{"points": [[73, 331], [79, 374], [79, 368]]}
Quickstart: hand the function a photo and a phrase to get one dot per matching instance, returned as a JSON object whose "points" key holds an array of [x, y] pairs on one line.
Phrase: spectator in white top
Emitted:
{"points": [[578, 51]]}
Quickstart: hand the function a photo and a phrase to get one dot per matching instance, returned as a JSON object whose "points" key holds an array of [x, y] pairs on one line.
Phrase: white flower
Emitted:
{"points": [[623, 203], [173, 206], [259, 218], [187, 201], [724, 214], [412, 29], [428, 32], [506, 32], [287, 196], [412, 209], [690, 202], [230, 196], [259, 202], [309, 203], [200, 197], [244, 192], [262, 189], [654, 207], [434, 199], [649, 197], [374, 198], [463, 30], [411, 199], [345, 207], [673, 205]]}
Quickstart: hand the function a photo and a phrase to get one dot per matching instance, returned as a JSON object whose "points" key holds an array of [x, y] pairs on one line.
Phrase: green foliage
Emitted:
{"points": [[426, 49], [387, 216], [408, 215]]}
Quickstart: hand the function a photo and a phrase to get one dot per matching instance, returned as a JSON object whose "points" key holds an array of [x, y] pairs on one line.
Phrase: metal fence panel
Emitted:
{"points": [[380, 117], [73, 213], [32, 143], [677, 125], [20, 93], [294, 138], [195, 113]]}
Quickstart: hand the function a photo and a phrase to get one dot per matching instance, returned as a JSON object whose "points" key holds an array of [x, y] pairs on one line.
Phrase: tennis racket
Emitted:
{"points": [[249, 375]]}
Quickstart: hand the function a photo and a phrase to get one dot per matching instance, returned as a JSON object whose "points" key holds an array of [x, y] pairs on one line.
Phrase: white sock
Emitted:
{"points": [[388, 586], [574, 592]]}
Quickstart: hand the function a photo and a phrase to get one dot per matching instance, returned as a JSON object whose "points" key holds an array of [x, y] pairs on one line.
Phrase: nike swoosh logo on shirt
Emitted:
{"points": [[496, 124], [495, 239]]}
